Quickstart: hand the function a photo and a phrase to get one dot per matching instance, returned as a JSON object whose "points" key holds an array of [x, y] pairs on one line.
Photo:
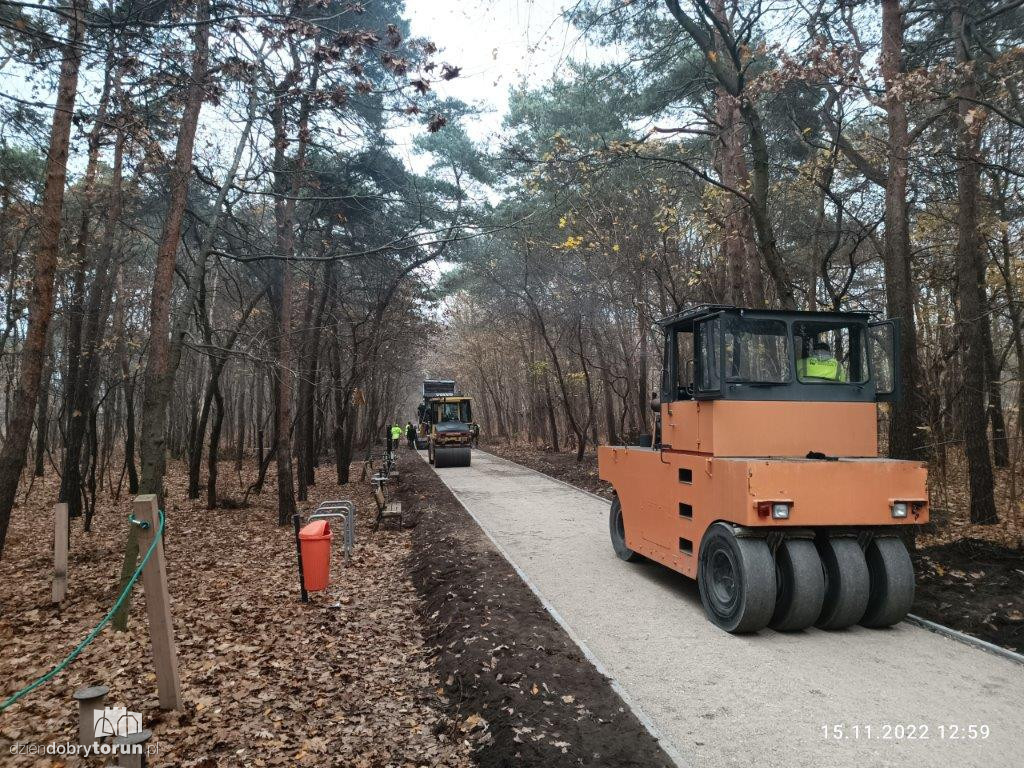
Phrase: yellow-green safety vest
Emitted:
{"points": [[396, 433], [813, 368]]}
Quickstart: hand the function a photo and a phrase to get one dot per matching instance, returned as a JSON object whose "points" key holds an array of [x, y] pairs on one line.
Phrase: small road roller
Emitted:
{"points": [[446, 424], [763, 481]]}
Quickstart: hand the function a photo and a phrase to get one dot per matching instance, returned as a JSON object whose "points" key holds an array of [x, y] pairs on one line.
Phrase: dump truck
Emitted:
{"points": [[445, 424], [763, 480]]}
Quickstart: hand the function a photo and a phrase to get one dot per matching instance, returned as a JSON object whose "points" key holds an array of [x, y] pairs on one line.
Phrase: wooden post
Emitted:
{"points": [[90, 699], [60, 552], [158, 605], [127, 757]]}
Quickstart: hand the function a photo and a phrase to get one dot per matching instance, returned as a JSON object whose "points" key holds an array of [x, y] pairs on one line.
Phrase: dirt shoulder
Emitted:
{"points": [[513, 681], [974, 586], [971, 584]]}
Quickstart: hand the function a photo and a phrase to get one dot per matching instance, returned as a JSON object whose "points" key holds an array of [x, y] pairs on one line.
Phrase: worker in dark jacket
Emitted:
{"points": [[410, 434]]}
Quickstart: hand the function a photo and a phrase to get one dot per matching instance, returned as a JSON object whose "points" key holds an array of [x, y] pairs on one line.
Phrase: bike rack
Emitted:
{"points": [[344, 509]]}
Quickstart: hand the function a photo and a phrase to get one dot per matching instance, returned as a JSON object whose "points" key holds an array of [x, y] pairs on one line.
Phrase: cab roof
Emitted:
{"points": [[691, 315]]}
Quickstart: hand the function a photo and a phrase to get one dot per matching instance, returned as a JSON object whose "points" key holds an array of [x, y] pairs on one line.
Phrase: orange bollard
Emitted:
{"points": [[315, 541]]}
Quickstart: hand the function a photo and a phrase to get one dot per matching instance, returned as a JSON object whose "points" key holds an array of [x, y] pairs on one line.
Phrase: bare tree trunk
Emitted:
{"points": [[906, 422], [76, 411], [342, 417], [970, 290], [40, 304], [759, 206], [127, 385], [643, 383], [214, 455], [314, 316], [815, 259], [739, 245], [92, 326], [1016, 322], [733, 208], [552, 420], [993, 378], [260, 418], [159, 374], [281, 286], [43, 415], [281, 300], [240, 436], [589, 389], [158, 379]]}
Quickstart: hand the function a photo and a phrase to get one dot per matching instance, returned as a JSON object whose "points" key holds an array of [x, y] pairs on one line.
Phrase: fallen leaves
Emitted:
{"points": [[267, 681]]}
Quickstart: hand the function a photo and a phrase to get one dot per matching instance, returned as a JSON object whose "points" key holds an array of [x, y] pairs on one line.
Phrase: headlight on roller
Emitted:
{"points": [[900, 508], [777, 510]]}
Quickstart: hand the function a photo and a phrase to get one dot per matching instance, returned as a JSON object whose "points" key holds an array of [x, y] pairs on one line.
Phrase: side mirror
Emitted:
{"points": [[655, 401]]}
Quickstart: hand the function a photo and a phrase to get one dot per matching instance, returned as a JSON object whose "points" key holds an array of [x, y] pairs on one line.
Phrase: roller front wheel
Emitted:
{"points": [[452, 456], [617, 528], [737, 581]]}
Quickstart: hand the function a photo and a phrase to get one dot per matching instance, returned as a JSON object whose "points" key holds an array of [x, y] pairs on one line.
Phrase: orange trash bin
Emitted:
{"points": [[315, 542]]}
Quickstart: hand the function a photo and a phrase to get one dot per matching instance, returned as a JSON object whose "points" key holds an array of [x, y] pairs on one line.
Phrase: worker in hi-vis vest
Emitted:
{"points": [[392, 437], [820, 365]]}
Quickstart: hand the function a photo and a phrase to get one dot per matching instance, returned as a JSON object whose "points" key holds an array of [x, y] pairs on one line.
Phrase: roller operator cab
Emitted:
{"points": [[764, 481]]}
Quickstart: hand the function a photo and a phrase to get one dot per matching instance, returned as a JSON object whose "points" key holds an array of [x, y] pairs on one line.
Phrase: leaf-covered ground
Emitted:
{"points": [[266, 680]]}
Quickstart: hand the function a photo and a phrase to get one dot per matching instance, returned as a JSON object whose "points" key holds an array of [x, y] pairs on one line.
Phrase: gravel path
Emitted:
{"points": [[901, 696]]}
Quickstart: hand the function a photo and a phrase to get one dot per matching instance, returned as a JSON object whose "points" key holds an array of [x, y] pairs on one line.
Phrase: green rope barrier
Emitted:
{"points": [[106, 619]]}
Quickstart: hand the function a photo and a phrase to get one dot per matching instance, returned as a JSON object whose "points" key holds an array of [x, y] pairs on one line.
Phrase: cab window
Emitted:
{"points": [[756, 351], [455, 411], [830, 353]]}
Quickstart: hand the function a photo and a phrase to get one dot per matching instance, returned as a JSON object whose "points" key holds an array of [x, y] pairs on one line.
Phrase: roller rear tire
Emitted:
{"points": [[617, 529], [847, 584], [892, 582], [736, 577], [801, 585]]}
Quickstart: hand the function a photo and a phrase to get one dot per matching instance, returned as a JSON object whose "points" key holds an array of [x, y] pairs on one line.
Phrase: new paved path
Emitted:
{"points": [[821, 699]]}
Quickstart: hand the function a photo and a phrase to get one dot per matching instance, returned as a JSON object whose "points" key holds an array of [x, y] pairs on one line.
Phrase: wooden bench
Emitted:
{"points": [[386, 510]]}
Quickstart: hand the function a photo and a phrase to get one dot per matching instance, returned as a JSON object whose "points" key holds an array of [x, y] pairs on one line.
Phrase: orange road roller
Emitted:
{"points": [[763, 481]]}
